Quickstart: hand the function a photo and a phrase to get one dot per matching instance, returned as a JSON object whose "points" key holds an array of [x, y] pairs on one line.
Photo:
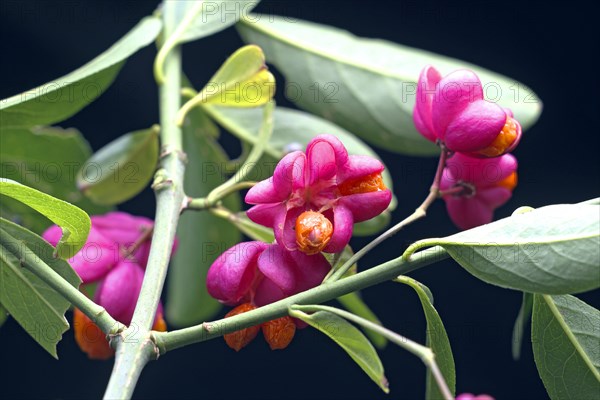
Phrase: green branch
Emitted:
{"points": [[134, 347], [167, 341], [420, 212]]}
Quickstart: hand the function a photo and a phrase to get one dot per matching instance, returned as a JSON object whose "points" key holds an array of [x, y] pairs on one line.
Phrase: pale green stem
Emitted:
{"points": [[225, 191], [39, 268], [167, 341], [131, 357], [223, 212], [173, 39], [419, 244], [134, 347], [423, 352], [200, 100], [420, 212], [203, 203]]}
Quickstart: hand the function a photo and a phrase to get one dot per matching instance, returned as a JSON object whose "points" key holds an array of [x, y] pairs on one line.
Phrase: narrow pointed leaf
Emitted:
{"points": [[437, 340], [520, 324], [59, 99], [349, 338], [565, 333], [202, 235], [75, 223], [354, 303], [553, 249], [37, 307], [121, 169], [367, 86], [242, 81], [46, 159]]}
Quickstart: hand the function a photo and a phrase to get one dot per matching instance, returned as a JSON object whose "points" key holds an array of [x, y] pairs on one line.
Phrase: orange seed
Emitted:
{"points": [[503, 141], [159, 324], [239, 339], [313, 232], [90, 338], [509, 182], [279, 332], [365, 184]]}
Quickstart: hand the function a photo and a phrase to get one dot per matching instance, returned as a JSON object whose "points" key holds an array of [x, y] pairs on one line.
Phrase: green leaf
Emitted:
{"points": [[46, 159], [74, 222], [349, 338], [293, 130], [202, 235], [565, 333], [61, 98], [437, 340], [3, 315], [38, 308], [354, 303], [367, 86], [213, 17], [242, 81], [121, 169], [520, 322], [553, 249]]}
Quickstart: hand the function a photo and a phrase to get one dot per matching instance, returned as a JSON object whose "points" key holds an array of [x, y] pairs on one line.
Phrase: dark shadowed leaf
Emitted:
{"points": [[3, 315], [121, 169], [565, 333], [437, 340]]}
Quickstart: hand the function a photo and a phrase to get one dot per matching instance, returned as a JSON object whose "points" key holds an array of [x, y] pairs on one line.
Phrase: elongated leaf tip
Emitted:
{"points": [[384, 384]]}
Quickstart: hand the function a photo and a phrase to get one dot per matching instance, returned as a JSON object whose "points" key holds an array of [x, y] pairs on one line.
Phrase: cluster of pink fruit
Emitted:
{"points": [[311, 202]]}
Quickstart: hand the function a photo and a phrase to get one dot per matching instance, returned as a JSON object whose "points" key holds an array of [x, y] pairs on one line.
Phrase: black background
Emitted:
{"points": [[551, 48]]}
